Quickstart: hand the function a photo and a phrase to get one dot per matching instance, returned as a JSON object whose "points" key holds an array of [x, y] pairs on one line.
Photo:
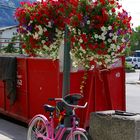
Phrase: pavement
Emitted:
{"points": [[12, 130], [133, 77]]}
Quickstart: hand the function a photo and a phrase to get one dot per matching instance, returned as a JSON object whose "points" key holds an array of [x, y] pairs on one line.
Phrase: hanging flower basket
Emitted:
{"points": [[41, 27], [99, 31]]}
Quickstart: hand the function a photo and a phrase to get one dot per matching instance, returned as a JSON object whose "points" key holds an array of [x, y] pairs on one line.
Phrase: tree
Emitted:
{"points": [[10, 48], [135, 39]]}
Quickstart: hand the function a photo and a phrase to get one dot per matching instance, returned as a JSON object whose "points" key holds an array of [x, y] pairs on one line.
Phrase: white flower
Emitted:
{"points": [[49, 24], [102, 37], [88, 22], [123, 40], [22, 36], [99, 63], [108, 56], [30, 22], [103, 28], [43, 41], [109, 27], [110, 34], [74, 30], [35, 36], [79, 32], [92, 67], [45, 29], [39, 27], [118, 47], [81, 40], [113, 46], [96, 36], [115, 37], [109, 40], [104, 33], [40, 32], [28, 33]]}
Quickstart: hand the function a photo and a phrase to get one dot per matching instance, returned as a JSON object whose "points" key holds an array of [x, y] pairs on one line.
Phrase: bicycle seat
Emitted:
{"points": [[49, 108], [73, 98]]}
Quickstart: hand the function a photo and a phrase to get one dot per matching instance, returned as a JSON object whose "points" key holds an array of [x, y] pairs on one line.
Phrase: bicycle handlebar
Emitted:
{"points": [[70, 105]]}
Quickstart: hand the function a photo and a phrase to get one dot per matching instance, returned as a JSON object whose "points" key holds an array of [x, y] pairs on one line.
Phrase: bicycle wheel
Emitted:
{"points": [[77, 135], [37, 129]]}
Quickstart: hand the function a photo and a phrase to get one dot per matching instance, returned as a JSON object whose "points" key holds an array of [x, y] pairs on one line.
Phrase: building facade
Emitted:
{"points": [[6, 35]]}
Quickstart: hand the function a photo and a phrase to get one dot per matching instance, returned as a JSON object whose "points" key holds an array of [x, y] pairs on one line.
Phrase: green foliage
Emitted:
{"points": [[10, 48], [135, 39], [129, 68]]}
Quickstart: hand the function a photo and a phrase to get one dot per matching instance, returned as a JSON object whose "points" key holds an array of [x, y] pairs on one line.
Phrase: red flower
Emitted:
{"points": [[74, 2], [84, 20], [84, 37], [91, 46], [113, 10], [83, 46], [102, 45], [100, 52], [73, 39], [79, 16], [111, 2], [119, 6], [23, 46], [103, 2]]}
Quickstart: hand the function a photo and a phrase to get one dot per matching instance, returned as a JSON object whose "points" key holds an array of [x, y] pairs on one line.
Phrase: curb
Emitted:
{"points": [[133, 82], [138, 82]]}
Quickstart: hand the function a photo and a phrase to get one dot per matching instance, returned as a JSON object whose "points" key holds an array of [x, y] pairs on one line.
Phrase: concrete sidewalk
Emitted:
{"points": [[12, 131], [133, 77]]}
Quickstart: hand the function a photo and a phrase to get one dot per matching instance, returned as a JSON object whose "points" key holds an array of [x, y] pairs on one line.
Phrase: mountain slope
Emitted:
{"points": [[7, 9]]}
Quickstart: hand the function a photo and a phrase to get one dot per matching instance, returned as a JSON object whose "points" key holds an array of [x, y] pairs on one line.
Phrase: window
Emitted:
{"points": [[134, 60], [128, 59]]}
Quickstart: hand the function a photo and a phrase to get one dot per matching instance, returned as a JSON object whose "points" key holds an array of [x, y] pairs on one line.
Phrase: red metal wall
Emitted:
{"points": [[20, 108], [39, 79], [105, 91], [43, 82]]}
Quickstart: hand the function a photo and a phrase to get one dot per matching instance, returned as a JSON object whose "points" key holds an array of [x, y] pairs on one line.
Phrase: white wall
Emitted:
{"points": [[6, 35]]}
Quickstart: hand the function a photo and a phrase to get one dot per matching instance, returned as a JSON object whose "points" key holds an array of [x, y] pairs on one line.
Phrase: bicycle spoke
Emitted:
{"points": [[77, 135], [79, 138], [37, 129], [33, 135]]}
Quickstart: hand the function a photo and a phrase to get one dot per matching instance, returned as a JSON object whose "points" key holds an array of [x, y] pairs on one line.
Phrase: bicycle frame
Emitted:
{"points": [[50, 127], [62, 131]]}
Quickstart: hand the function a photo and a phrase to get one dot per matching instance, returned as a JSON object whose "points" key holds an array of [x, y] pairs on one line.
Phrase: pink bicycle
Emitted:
{"points": [[40, 128]]}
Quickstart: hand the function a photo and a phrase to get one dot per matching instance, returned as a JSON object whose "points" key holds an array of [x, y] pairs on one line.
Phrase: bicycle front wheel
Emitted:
{"points": [[37, 129], [77, 135]]}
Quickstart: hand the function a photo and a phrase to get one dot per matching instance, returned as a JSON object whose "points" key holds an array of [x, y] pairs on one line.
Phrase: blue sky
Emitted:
{"points": [[133, 8]]}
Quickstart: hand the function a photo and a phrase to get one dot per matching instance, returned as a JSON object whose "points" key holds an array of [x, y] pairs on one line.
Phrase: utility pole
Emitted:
{"points": [[66, 75], [66, 64]]}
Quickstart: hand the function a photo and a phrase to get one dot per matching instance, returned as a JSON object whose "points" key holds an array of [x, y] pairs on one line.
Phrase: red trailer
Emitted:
{"points": [[39, 79]]}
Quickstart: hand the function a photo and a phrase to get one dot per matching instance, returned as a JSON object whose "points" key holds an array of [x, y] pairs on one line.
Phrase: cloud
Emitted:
{"points": [[132, 7]]}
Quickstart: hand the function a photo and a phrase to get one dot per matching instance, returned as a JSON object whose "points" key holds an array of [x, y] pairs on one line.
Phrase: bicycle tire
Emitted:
{"points": [[37, 129], [77, 135]]}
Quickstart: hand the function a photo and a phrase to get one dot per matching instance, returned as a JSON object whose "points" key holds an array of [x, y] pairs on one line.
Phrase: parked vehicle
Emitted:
{"points": [[134, 61], [137, 53]]}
